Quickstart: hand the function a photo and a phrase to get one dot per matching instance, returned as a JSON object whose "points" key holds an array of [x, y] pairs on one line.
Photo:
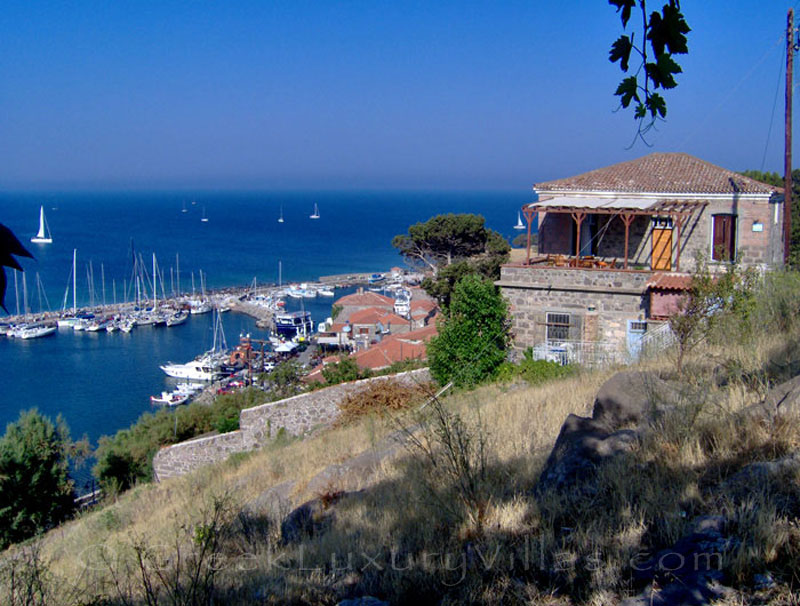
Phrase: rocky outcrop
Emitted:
{"points": [[622, 408], [689, 573]]}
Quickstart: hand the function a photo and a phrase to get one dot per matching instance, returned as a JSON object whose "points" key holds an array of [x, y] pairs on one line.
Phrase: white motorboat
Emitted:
{"points": [[199, 307], [207, 367], [35, 331], [188, 388], [173, 398], [179, 317], [325, 292], [43, 236], [203, 369]]}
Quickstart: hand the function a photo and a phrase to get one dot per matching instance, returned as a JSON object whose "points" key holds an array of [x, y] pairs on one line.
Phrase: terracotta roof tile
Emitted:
{"points": [[675, 173], [670, 282], [364, 299]]}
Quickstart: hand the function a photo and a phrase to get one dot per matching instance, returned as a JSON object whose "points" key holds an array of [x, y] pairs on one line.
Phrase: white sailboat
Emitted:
{"points": [[316, 212], [520, 224], [43, 236], [204, 219], [280, 219]]}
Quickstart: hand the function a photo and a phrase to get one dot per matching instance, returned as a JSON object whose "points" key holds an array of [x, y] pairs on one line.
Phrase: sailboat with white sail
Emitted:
{"points": [[280, 219], [43, 236], [520, 224], [316, 212]]}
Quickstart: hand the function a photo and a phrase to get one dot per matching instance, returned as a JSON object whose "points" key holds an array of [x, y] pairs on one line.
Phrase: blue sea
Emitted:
{"points": [[102, 382]]}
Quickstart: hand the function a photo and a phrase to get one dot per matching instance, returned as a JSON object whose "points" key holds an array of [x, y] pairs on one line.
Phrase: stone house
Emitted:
{"points": [[361, 300], [616, 245]]}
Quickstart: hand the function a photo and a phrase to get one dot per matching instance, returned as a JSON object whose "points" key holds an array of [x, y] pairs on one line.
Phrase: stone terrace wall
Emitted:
{"points": [[297, 415], [181, 458], [301, 414]]}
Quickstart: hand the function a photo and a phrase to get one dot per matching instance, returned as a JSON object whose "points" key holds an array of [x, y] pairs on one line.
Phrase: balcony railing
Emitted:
{"points": [[599, 354]]}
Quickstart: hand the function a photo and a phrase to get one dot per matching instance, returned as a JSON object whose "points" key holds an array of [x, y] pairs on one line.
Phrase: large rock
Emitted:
{"points": [[628, 397], [689, 573], [581, 446], [781, 400], [622, 406]]}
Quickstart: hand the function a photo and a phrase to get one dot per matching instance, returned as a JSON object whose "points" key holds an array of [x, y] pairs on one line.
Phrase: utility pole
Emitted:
{"points": [[787, 164]]}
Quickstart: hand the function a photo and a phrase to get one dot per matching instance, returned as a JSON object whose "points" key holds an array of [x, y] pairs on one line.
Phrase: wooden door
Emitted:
{"points": [[723, 238], [662, 249]]}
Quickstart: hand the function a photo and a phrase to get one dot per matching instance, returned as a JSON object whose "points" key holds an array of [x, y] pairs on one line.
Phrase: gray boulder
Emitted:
{"points": [[689, 573], [622, 407], [582, 445], [629, 397]]}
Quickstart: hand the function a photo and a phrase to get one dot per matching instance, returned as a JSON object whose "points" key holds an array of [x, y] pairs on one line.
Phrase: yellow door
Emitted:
{"points": [[662, 249]]}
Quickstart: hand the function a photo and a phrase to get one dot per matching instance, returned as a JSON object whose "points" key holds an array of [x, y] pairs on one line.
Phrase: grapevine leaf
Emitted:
{"points": [[621, 51]]}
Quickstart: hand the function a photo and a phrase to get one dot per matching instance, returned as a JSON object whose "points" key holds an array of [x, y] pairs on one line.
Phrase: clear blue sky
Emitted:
{"points": [[332, 95]]}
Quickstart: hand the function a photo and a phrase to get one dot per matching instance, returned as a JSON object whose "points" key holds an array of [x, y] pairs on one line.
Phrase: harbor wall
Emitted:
{"points": [[297, 416]]}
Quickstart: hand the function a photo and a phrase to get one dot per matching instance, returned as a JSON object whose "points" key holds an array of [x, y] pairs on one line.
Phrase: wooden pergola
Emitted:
{"points": [[627, 210]]}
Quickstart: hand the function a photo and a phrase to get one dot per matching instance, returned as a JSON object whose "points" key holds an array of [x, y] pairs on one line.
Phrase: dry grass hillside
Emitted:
{"points": [[454, 515]]}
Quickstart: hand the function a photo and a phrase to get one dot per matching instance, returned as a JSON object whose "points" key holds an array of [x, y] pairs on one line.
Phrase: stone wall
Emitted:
{"points": [[297, 416], [181, 458], [600, 302], [301, 414]]}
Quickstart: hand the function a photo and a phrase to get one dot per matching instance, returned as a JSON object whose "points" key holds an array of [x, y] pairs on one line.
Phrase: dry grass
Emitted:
{"points": [[404, 538], [380, 399]]}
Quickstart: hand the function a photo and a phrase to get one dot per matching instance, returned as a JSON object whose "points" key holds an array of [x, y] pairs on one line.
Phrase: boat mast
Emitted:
{"points": [[155, 286], [25, 295], [74, 281], [16, 291], [103, 282], [178, 270]]}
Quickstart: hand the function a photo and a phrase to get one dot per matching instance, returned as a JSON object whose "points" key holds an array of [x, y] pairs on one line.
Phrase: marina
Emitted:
{"points": [[101, 381]]}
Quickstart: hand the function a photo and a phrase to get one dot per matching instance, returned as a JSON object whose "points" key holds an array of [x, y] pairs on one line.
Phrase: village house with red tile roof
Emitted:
{"points": [[394, 348], [363, 299], [615, 247]]}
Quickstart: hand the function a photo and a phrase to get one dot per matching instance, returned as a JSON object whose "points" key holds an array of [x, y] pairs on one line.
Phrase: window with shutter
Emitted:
{"points": [[723, 238]]}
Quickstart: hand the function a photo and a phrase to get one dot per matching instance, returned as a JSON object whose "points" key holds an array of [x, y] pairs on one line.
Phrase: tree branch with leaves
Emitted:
{"points": [[662, 35]]}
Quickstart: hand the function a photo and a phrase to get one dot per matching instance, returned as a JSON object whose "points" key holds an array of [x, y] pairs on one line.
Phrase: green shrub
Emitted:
{"points": [[473, 337], [126, 458], [35, 489]]}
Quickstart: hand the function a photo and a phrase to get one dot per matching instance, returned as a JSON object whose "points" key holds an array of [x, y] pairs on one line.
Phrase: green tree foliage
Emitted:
{"points": [[521, 240], [776, 180], [711, 300], [284, 381], [662, 36], [443, 239], [452, 246], [474, 335], [344, 370], [35, 489], [127, 457], [9, 247]]}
